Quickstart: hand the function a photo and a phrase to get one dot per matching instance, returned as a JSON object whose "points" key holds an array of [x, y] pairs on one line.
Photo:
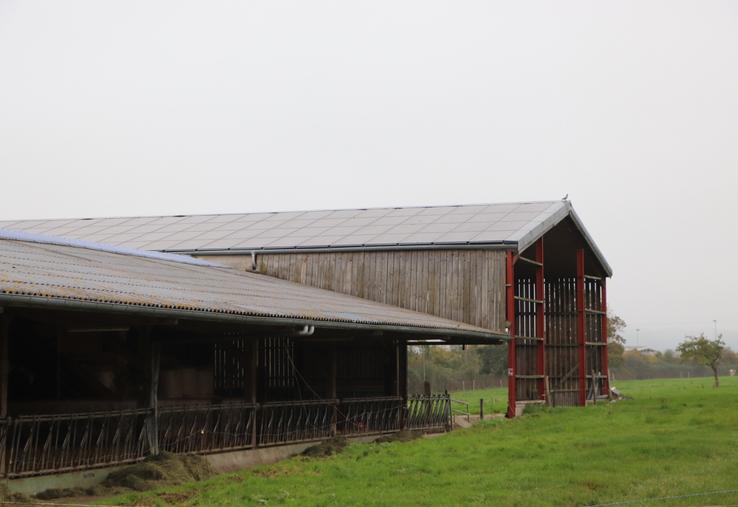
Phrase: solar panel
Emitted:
{"points": [[317, 229]]}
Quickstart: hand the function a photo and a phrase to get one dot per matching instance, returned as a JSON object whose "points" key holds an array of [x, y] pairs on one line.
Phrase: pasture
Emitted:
{"points": [[675, 439]]}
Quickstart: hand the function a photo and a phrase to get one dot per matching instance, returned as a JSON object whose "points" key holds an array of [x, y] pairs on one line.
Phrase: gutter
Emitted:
{"points": [[502, 245]]}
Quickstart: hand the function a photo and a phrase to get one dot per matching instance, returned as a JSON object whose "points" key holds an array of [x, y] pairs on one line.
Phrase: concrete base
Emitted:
{"points": [[80, 479], [520, 406], [248, 458], [221, 462]]}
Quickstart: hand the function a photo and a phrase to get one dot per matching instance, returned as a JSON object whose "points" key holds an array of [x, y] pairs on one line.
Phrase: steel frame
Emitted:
{"points": [[511, 352], [581, 334]]}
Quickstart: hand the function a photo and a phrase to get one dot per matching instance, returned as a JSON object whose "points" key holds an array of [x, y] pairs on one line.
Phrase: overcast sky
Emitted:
{"points": [[174, 107]]}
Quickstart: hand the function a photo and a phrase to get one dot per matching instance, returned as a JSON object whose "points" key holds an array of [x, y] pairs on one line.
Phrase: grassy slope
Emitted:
{"points": [[674, 437]]}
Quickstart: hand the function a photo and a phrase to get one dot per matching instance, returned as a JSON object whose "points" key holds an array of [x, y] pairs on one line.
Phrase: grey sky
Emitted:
{"points": [[171, 107]]}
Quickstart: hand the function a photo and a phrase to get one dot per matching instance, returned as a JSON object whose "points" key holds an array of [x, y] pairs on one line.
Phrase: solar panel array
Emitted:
{"points": [[432, 225]]}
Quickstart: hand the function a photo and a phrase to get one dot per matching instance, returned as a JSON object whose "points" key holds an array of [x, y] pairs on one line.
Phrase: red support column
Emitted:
{"points": [[511, 356], [581, 339], [605, 365], [540, 323]]}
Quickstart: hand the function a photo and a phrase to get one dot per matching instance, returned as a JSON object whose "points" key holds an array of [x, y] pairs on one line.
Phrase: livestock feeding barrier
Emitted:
{"points": [[55, 443]]}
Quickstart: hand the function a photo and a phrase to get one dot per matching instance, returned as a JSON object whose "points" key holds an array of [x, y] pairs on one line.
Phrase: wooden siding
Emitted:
{"points": [[462, 285]]}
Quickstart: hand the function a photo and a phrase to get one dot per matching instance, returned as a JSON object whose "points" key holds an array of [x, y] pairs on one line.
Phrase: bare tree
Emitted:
{"points": [[700, 350]]}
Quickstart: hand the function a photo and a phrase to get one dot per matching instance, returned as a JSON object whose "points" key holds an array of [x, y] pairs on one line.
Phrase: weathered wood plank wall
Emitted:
{"points": [[462, 285]]}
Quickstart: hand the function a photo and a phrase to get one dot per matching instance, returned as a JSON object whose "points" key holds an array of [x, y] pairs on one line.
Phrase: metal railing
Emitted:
{"points": [[365, 416], [295, 421], [461, 408], [56, 443], [206, 428], [431, 412]]}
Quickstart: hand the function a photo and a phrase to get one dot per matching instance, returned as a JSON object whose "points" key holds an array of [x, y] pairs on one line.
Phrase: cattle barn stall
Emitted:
{"points": [[528, 270], [110, 355]]}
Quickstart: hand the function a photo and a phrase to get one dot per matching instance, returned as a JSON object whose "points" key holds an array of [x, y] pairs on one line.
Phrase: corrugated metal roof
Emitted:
{"points": [[51, 272], [515, 224]]}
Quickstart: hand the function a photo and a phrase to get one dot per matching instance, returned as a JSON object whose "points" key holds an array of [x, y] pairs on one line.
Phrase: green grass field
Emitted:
{"points": [[495, 400], [674, 437]]}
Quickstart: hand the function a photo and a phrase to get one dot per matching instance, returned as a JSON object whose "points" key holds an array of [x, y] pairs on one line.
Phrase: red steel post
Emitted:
{"points": [[511, 356], [581, 339], [540, 323], [605, 365]]}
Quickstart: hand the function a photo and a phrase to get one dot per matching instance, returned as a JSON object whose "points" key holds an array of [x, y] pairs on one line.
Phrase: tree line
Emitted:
{"points": [[456, 368]]}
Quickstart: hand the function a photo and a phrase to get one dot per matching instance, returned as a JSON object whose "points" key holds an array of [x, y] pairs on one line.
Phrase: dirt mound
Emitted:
{"points": [[7, 496], [400, 436], [54, 493], [163, 470], [326, 448]]}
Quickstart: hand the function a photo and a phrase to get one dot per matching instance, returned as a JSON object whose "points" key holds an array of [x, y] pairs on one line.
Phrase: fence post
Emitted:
{"points": [[481, 409], [449, 419]]}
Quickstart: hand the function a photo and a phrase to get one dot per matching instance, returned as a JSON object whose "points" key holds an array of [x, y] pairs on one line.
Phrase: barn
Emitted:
{"points": [[526, 273], [110, 355]]}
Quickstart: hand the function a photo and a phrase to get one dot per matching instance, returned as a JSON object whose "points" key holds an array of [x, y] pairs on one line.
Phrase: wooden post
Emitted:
{"points": [[150, 353], [402, 382], [581, 338], [540, 322], [398, 366], [332, 388], [605, 365], [481, 409], [549, 400], [253, 382], [154, 363]]}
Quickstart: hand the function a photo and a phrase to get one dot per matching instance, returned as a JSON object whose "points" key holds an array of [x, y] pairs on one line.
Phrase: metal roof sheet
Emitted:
{"points": [[515, 224], [46, 271]]}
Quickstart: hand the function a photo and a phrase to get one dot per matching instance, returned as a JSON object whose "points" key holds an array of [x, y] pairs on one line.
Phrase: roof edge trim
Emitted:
{"points": [[548, 224], [22, 300], [502, 245]]}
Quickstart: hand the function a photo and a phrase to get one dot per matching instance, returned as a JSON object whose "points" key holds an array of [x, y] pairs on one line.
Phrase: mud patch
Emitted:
{"points": [[328, 447], [400, 436], [176, 498]]}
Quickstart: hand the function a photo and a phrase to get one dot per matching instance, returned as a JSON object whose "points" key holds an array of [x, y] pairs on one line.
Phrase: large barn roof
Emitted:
{"points": [[513, 225], [45, 272]]}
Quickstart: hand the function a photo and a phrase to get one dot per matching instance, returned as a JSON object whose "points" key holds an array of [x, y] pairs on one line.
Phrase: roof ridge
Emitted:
{"points": [[183, 215]]}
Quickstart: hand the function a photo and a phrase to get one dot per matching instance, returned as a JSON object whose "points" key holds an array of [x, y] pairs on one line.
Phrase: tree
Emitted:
{"points": [[493, 360], [615, 341], [614, 325], [701, 350]]}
